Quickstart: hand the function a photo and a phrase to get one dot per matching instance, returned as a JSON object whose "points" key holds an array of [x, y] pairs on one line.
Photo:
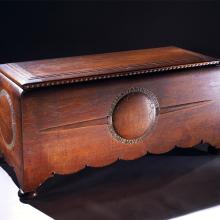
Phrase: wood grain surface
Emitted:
{"points": [[11, 125], [64, 128], [67, 127], [50, 72]]}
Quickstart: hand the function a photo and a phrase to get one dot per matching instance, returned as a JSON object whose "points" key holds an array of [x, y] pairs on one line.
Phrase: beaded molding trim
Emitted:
{"points": [[116, 75], [155, 109]]}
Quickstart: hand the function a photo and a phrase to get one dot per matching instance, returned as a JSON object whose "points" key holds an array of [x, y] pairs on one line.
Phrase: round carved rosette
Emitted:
{"points": [[133, 115], [7, 120]]}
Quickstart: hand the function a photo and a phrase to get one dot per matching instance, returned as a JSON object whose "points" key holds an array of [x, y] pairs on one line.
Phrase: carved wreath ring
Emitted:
{"points": [[152, 114], [10, 145]]}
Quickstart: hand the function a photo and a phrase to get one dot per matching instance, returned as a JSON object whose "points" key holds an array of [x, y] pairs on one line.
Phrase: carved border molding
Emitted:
{"points": [[116, 75]]}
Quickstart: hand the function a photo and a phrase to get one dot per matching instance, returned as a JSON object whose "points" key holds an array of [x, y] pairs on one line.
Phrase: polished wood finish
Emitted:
{"points": [[132, 116], [64, 128], [6, 118], [42, 73], [11, 125]]}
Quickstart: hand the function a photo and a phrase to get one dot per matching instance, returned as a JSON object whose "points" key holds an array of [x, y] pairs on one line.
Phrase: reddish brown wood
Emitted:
{"points": [[92, 67], [131, 117], [11, 129], [6, 118], [62, 129]]}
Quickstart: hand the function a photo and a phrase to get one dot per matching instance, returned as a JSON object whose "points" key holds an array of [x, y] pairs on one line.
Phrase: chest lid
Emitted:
{"points": [[50, 72]]}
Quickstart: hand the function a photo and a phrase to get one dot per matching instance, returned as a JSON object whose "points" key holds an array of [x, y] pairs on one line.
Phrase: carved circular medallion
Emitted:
{"points": [[133, 115], [7, 119]]}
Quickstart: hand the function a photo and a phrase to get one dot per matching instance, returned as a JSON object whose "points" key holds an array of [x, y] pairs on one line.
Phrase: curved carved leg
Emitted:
{"points": [[26, 196]]}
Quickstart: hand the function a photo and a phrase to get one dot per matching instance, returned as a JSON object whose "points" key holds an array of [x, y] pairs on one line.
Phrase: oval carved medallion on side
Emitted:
{"points": [[133, 115], [7, 120]]}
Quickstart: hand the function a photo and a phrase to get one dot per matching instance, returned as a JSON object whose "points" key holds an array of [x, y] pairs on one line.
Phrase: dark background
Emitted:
{"points": [[37, 30]]}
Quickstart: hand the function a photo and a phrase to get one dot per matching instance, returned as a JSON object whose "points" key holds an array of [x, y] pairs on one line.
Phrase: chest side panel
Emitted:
{"points": [[11, 125]]}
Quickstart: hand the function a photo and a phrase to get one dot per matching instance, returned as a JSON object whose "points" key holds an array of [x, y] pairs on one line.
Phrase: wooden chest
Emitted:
{"points": [[61, 115]]}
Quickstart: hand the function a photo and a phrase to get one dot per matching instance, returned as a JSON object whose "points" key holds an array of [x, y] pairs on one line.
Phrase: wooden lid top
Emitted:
{"points": [[49, 72]]}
